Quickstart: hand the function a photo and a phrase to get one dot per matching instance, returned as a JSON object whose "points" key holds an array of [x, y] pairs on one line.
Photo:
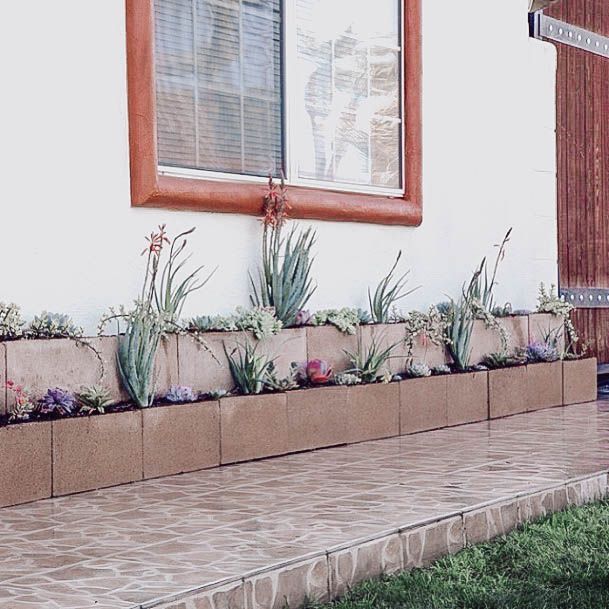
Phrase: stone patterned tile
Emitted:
{"points": [[422, 545], [257, 534], [289, 586], [355, 564], [490, 522]]}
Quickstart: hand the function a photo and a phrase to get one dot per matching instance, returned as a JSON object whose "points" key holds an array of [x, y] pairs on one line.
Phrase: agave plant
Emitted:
{"points": [[284, 281], [94, 399], [249, 369], [369, 362], [390, 290]]}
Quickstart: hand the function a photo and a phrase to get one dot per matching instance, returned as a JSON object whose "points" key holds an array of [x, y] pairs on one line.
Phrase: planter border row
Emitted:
{"points": [[55, 458], [40, 364]]}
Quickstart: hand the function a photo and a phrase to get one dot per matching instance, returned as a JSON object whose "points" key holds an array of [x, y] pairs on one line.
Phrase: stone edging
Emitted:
{"points": [[329, 574]]}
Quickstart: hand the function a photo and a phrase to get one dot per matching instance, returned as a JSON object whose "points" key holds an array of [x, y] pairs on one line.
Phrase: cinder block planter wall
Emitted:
{"points": [[45, 459]]}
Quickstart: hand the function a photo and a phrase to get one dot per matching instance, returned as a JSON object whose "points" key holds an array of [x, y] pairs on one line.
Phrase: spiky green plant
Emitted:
{"points": [[172, 292], [369, 362], [483, 289], [94, 399], [248, 368], [501, 359], [284, 281], [461, 315], [389, 291], [136, 355], [155, 313]]}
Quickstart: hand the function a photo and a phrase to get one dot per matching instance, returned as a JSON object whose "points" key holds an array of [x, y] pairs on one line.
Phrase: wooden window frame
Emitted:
{"points": [[149, 189]]}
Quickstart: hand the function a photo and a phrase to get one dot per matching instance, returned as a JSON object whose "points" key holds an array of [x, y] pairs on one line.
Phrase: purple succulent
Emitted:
{"points": [[57, 401], [542, 352], [180, 394], [303, 317], [313, 372]]}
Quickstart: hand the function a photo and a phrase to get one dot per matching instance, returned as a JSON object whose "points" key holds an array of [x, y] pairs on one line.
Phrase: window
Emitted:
{"points": [[224, 92]]}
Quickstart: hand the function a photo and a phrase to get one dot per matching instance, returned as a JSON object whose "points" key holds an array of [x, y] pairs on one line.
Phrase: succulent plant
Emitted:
{"points": [[548, 301], [418, 370], [180, 394], [284, 280], [303, 318], [364, 317], [213, 323], [57, 402], [53, 325], [346, 378], [346, 320], [24, 406], [274, 383], [369, 361], [431, 326], [94, 399], [248, 368], [313, 372], [11, 322], [441, 370], [539, 351], [501, 359], [261, 321], [389, 291], [216, 394]]}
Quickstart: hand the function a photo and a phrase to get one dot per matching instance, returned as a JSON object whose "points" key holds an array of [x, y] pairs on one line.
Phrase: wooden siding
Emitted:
{"points": [[583, 166]]}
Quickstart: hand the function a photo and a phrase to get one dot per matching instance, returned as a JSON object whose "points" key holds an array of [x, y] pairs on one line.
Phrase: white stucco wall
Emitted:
{"points": [[70, 241]]}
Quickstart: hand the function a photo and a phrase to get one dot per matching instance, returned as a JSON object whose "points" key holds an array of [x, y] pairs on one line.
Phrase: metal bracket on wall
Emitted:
{"points": [[548, 28], [586, 298]]}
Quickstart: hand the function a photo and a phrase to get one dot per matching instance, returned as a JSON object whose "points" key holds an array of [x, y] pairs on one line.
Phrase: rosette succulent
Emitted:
{"points": [[346, 378], [542, 352], [11, 322], [313, 372], [180, 394], [53, 325], [418, 370], [94, 399], [58, 402]]}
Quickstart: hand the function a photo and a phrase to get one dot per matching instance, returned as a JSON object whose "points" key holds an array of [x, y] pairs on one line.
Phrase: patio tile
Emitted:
{"points": [[255, 535]]}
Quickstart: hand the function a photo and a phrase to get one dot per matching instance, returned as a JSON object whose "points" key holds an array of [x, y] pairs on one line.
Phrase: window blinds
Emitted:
{"points": [[219, 89], [218, 81]]}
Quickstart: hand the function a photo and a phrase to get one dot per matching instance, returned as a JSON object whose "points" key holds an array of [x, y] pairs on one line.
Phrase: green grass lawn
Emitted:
{"points": [[562, 561]]}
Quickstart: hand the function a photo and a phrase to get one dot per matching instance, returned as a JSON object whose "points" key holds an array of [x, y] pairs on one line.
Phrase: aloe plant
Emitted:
{"points": [[461, 315], [389, 291], [249, 369], [484, 286], [172, 292], [369, 360], [136, 355], [284, 281]]}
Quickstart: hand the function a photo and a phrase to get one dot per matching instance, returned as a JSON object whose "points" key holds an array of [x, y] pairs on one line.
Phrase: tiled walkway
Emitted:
{"points": [[136, 545]]}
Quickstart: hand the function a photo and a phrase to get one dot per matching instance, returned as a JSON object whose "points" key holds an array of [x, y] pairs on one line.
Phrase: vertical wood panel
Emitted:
{"points": [[582, 134]]}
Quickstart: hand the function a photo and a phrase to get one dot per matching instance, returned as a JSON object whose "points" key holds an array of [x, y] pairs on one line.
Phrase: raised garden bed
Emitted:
{"points": [[39, 364], [52, 458]]}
